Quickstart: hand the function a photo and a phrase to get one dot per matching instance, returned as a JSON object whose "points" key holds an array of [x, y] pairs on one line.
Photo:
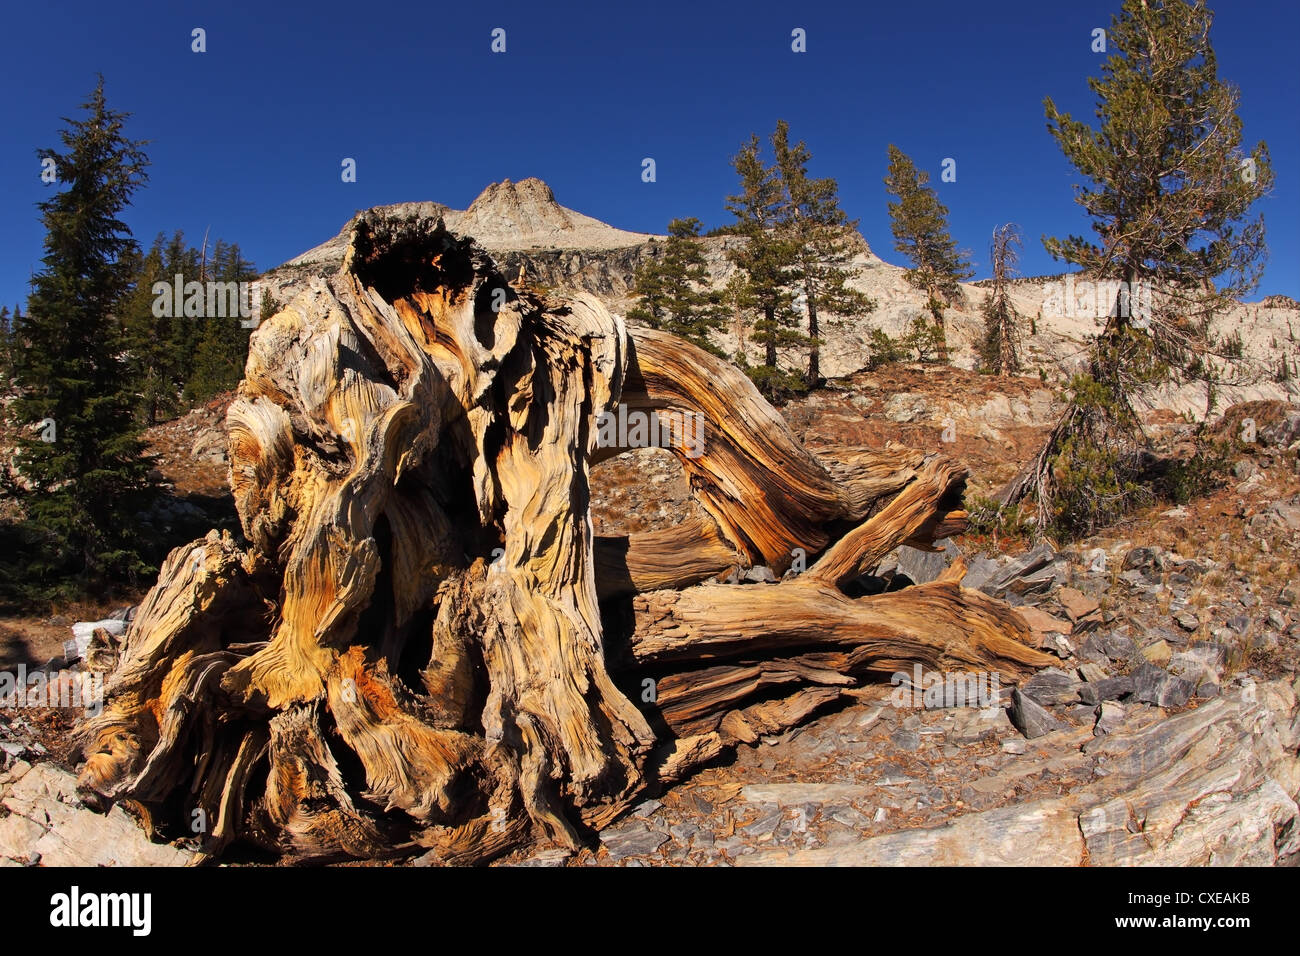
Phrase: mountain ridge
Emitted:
{"points": [[505, 216], [524, 227]]}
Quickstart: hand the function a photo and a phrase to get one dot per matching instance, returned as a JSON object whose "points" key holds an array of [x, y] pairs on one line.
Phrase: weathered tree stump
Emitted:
{"points": [[421, 643]]}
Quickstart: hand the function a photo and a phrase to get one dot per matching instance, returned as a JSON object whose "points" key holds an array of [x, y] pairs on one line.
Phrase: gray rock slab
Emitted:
{"points": [[1155, 685], [1031, 718], [73, 835], [632, 840]]}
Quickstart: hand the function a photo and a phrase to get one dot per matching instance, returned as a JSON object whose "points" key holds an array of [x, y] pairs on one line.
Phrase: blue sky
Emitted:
{"points": [[248, 138]]}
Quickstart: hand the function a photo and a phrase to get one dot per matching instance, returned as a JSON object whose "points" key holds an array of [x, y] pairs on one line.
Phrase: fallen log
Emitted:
{"points": [[420, 643]]}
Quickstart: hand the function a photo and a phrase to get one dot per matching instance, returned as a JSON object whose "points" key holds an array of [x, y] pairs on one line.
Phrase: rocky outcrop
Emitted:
{"points": [[505, 217], [1215, 786], [525, 215], [523, 225], [1279, 302], [604, 273], [47, 824]]}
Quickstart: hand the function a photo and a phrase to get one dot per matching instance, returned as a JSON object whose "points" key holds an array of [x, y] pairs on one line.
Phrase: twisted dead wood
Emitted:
{"points": [[419, 642]]}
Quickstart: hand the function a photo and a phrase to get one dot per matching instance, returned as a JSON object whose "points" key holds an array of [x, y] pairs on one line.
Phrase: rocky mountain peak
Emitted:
{"points": [[523, 210], [527, 192]]}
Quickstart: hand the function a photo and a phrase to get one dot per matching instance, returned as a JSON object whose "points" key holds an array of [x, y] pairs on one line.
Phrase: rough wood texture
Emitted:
{"points": [[421, 643]]}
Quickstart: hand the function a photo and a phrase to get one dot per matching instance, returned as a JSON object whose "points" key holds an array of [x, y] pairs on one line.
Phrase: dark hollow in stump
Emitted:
{"points": [[421, 644]]}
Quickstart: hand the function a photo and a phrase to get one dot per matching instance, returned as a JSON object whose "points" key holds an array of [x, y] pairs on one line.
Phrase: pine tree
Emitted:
{"points": [[767, 258], [270, 307], [674, 288], [154, 358], [79, 454], [919, 222], [6, 340], [1169, 193], [14, 323], [1000, 349], [222, 347], [181, 260], [926, 338], [179, 355], [824, 240]]}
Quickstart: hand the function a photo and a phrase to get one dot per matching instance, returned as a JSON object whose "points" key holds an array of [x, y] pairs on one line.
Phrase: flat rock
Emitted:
{"points": [[1052, 687], [1094, 560], [1289, 512], [793, 794], [1154, 685], [18, 837], [979, 571], [13, 775], [1081, 713], [1138, 583], [1174, 638], [1040, 622], [1158, 653], [1142, 559], [1092, 672], [765, 826], [83, 631], [921, 566], [1077, 604], [647, 808], [1030, 718], [972, 725], [632, 840], [1035, 572], [1108, 688], [556, 856], [891, 774], [849, 817], [1039, 834], [1200, 663], [1120, 643], [1212, 786], [734, 846], [906, 407], [1110, 718], [1059, 645], [683, 832], [71, 834], [906, 739]]}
